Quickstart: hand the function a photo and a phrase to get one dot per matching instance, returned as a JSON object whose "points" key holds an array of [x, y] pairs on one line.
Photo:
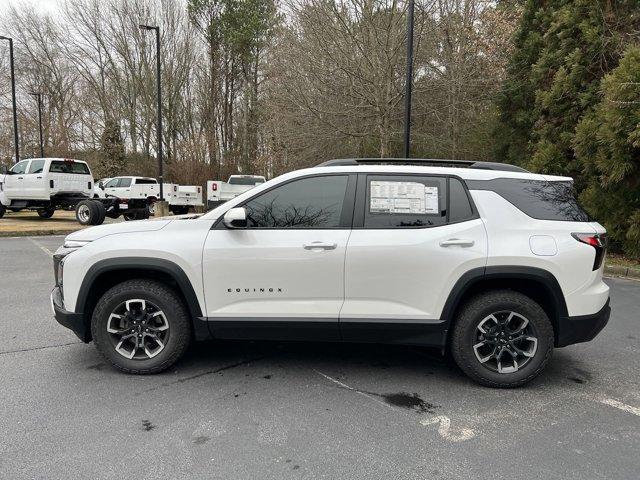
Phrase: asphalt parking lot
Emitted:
{"points": [[268, 410]]}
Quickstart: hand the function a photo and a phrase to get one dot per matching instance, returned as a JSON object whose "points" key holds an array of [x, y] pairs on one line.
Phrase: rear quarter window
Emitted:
{"points": [[539, 199]]}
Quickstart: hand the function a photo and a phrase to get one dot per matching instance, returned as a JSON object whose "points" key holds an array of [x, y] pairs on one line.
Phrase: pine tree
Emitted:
{"points": [[112, 161], [607, 142]]}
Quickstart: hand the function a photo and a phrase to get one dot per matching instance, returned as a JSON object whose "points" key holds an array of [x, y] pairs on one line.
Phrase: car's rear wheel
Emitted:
{"points": [[141, 326], [502, 339]]}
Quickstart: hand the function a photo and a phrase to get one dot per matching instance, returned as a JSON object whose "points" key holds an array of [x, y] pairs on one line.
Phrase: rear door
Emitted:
{"points": [[35, 182], [283, 275], [413, 237]]}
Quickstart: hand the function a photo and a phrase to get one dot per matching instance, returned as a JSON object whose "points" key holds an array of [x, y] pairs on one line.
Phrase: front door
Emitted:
{"points": [[283, 275], [14, 181]]}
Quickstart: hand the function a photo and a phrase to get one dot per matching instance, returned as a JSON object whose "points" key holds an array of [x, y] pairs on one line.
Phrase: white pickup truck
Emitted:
{"points": [[180, 197], [44, 185], [219, 192]]}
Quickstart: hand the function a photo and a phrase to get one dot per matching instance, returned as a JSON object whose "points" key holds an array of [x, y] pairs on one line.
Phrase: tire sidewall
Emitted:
{"points": [[174, 312], [480, 308]]}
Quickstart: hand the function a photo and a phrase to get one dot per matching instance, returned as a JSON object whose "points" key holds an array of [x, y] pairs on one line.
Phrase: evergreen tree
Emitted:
{"points": [[607, 142], [563, 49], [112, 161]]}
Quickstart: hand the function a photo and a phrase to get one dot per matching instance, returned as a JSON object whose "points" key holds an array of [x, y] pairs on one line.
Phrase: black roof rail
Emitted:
{"points": [[423, 161]]}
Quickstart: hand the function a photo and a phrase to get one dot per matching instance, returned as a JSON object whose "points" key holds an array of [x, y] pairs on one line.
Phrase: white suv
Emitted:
{"points": [[490, 262]]}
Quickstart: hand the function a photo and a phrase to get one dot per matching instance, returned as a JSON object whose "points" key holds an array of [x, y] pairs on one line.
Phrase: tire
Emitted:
{"points": [[102, 213], [502, 305], [175, 339], [179, 210], [3, 210], [89, 212], [48, 213]]}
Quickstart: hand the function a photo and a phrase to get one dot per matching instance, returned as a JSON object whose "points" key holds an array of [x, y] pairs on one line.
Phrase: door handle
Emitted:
{"points": [[319, 246], [39, 178], [20, 178], [457, 242]]}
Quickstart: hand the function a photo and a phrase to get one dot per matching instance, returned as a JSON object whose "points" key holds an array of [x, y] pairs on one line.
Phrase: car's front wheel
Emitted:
{"points": [[141, 326], [502, 339]]}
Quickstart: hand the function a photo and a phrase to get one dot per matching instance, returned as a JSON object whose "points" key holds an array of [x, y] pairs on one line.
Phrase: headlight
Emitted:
{"points": [[69, 246]]}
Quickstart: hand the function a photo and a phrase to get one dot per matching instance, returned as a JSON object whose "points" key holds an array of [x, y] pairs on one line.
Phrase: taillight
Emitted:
{"points": [[175, 188], [214, 186], [50, 183], [198, 189], [597, 241]]}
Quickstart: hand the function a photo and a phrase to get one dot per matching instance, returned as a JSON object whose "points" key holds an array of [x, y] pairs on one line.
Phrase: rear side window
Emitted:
{"points": [[36, 166], [124, 182], [60, 166], [460, 208], [314, 202], [539, 199], [146, 181], [397, 201]]}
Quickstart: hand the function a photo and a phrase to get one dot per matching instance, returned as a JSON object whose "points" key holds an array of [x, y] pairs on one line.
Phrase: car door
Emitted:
{"points": [[413, 237], [283, 275], [111, 187], [14, 180], [35, 183]]}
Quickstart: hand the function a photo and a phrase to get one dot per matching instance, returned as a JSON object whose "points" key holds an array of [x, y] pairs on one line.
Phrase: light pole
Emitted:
{"points": [[13, 98], [159, 128], [38, 96], [409, 80]]}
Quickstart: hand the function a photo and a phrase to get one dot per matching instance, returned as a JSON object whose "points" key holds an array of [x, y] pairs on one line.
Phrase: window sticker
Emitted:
{"points": [[404, 198]]}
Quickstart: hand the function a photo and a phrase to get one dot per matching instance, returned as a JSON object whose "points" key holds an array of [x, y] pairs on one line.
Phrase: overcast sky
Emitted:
{"points": [[45, 4]]}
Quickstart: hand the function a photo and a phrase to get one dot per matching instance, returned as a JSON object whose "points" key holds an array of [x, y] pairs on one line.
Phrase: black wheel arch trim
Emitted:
{"points": [[480, 274], [147, 264]]}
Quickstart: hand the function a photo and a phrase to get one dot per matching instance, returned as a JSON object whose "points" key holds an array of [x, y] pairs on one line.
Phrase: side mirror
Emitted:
{"points": [[101, 185], [235, 218], [5, 170]]}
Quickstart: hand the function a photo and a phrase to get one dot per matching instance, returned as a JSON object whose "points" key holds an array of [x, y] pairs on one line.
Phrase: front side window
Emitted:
{"points": [[20, 167], [314, 202], [36, 166], [397, 201], [113, 183]]}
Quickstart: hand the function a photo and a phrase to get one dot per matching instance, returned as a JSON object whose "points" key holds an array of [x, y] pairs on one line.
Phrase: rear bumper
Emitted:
{"points": [[582, 328], [73, 321]]}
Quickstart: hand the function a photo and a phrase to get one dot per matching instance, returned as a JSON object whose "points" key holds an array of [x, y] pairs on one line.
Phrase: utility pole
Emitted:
{"points": [[159, 99], [409, 80], [13, 98], [38, 96]]}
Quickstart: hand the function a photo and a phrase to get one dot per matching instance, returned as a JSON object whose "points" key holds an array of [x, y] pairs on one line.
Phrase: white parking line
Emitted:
{"points": [[621, 406], [444, 429], [41, 247]]}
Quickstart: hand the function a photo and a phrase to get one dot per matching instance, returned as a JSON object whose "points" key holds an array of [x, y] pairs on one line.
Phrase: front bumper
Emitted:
{"points": [[582, 328], [73, 321]]}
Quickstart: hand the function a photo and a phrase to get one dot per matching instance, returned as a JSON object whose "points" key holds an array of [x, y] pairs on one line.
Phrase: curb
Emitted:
{"points": [[621, 271], [36, 233]]}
